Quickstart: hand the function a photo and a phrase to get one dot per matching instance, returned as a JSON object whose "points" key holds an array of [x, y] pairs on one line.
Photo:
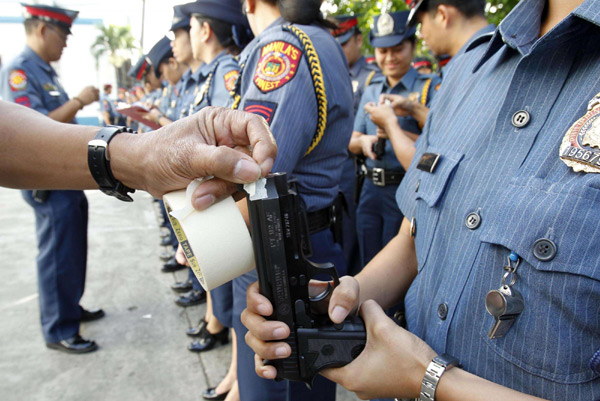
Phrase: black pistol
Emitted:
{"points": [[278, 229], [379, 148]]}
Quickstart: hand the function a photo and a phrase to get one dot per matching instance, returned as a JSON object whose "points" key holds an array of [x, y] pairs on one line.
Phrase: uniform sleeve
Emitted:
{"points": [[19, 86], [281, 90], [360, 120], [223, 83]]}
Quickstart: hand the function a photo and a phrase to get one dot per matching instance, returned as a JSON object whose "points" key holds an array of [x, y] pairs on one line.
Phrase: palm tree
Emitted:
{"points": [[118, 43]]}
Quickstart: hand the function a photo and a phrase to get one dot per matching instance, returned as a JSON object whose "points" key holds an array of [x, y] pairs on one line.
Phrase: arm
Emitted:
{"points": [[362, 144], [31, 155], [404, 107], [402, 142], [66, 113]]}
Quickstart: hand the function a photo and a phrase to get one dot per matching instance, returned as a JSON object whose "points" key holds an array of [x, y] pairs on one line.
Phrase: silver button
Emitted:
{"points": [[413, 227], [544, 249], [473, 221], [521, 118]]}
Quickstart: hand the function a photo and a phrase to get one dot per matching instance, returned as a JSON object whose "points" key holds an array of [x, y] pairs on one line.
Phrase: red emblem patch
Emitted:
{"points": [[17, 80], [230, 79], [277, 65], [23, 101]]}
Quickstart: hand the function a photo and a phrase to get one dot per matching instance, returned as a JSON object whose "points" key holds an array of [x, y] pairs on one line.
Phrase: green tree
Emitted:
{"points": [[117, 42]]}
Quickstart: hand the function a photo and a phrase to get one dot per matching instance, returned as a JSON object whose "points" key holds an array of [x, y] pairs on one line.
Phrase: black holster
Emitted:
{"points": [[359, 179], [40, 195]]}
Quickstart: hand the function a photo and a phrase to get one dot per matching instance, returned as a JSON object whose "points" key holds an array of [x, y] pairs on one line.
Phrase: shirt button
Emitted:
{"points": [[413, 227], [521, 118], [544, 249], [473, 221], [442, 311]]}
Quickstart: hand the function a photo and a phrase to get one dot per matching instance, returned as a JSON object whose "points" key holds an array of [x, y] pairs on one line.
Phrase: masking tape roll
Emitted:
{"points": [[216, 241]]}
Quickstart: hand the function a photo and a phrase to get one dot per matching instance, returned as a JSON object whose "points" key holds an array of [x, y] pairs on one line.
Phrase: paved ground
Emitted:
{"points": [[143, 353]]}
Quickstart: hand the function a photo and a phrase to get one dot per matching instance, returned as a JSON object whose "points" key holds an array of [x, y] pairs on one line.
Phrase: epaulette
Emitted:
{"points": [[376, 79]]}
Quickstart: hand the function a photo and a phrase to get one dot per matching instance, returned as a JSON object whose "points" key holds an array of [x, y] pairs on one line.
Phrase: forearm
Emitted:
{"points": [[398, 260], [36, 152], [403, 145], [66, 113], [355, 145], [459, 385], [419, 112]]}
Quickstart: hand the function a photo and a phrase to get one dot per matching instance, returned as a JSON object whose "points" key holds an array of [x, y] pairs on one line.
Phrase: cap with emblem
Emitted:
{"points": [[390, 30], [347, 27], [229, 11], [159, 52], [55, 15], [414, 5], [180, 19], [422, 62], [139, 69]]}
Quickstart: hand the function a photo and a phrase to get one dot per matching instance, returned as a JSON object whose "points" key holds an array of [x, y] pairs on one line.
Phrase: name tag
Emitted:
{"points": [[54, 93], [428, 162]]}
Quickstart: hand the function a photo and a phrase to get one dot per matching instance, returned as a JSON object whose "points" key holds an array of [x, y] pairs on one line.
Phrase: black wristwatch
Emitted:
{"points": [[100, 166]]}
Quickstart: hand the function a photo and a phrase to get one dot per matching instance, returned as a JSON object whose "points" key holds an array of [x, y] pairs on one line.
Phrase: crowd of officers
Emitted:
{"points": [[346, 129]]}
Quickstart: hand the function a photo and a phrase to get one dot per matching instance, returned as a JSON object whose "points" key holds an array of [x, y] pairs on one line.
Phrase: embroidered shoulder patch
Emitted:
{"points": [[277, 65], [437, 87], [261, 108], [17, 80], [230, 79], [23, 101]]}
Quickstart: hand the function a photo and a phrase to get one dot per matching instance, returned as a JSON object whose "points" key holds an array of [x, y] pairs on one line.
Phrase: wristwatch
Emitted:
{"points": [[434, 371], [100, 166]]}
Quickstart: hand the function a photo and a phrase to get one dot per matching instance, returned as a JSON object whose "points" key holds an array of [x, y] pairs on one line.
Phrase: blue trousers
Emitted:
{"points": [[61, 228], [222, 303], [254, 388], [378, 219], [350, 240]]}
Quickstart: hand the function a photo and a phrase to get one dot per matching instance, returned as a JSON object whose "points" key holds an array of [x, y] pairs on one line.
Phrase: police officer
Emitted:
{"points": [[107, 106], [378, 217], [423, 65], [306, 97], [517, 196], [61, 216], [362, 74]]}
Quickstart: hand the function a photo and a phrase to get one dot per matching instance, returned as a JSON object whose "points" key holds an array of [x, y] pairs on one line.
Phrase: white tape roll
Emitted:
{"points": [[216, 241]]}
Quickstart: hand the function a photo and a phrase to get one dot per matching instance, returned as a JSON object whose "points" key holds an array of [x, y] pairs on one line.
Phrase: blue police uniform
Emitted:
{"points": [[276, 83], [108, 105], [503, 188], [62, 218], [378, 218], [218, 80]]}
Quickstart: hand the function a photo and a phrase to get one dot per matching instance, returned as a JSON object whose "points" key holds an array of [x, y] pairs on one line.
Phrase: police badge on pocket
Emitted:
{"points": [[580, 148]]}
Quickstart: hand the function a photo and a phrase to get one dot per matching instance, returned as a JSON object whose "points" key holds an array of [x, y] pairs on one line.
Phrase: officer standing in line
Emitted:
{"points": [[61, 216], [500, 271], [284, 79], [362, 74], [423, 65], [378, 217], [107, 106]]}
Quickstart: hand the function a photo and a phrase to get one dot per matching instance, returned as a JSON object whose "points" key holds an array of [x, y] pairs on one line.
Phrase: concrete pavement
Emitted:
{"points": [[142, 354]]}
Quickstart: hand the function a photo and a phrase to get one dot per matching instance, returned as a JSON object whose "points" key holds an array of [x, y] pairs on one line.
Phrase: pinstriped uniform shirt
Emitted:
{"points": [[216, 92], [276, 83], [514, 179]]}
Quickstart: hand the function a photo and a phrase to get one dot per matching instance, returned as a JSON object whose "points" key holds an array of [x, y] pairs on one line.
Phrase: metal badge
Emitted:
{"points": [[580, 148], [428, 162], [385, 25]]}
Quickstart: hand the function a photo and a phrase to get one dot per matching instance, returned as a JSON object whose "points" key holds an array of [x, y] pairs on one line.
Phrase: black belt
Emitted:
{"points": [[319, 220], [381, 177]]}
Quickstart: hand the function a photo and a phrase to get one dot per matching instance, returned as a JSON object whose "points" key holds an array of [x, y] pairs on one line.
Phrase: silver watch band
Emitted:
{"points": [[434, 371]]}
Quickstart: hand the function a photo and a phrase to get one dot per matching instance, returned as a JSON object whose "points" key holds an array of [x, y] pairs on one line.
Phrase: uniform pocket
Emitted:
{"points": [[430, 188], [558, 332]]}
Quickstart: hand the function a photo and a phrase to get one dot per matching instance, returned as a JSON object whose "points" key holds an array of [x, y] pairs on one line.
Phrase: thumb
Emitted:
{"points": [[344, 299], [371, 312], [226, 163]]}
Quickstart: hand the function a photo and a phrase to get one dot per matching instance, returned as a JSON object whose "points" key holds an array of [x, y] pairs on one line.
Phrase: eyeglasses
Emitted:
{"points": [[60, 32]]}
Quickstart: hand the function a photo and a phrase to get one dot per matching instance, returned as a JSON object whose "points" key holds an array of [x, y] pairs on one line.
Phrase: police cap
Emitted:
{"points": [[420, 62], [229, 11], [159, 52], [390, 30], [414, 8], [180, 19], [55, 15], [139, 69], [347, 27]]}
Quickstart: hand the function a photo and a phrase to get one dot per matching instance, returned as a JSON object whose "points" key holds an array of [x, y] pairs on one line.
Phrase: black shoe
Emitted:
{"points": [[211, 394], [191, 298], [166, 241], [197, 331], [165, 256], [90, 315], [74, 345], [182, 286], [208, 341], [172, 266]]}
